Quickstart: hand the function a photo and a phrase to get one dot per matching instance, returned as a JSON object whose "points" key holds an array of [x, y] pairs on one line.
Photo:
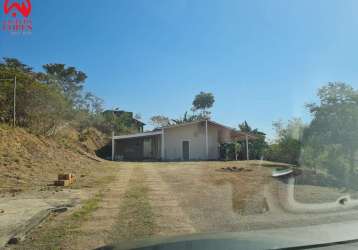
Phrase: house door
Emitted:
{"points": [[185, 150]]}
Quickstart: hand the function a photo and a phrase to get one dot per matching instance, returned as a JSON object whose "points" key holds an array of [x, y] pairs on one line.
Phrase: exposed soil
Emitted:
{"points": [[31, 163], [97, 230], [162, 199]]}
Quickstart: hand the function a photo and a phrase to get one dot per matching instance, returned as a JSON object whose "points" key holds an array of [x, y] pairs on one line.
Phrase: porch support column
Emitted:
{"points": [[206, 140], [113, 145], [247, 147], [163, 146]]}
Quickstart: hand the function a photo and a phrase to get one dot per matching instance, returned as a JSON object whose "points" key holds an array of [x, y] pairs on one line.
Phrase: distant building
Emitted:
{"points": [[136, 124], [198, 140]]}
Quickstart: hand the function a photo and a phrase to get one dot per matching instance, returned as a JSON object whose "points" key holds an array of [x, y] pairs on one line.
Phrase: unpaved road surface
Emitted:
{"points": [[166, 199], [21, 213], [95, 231]]}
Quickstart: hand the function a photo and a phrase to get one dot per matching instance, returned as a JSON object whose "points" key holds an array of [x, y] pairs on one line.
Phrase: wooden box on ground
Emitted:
{"points": [[62, 183], [65, 180]]}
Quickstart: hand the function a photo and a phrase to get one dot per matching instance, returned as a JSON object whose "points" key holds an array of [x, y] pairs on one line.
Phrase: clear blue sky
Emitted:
{"points": [[263, 60]]}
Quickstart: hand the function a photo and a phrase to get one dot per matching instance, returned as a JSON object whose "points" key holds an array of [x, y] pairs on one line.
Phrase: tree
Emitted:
{"points": [[202, 102], [293, 129], [287, 146], [287, 150], [40, 108], [68, 79], [50, 100], [119, 124], [228, 151], [187, 118], [46, 111], [244, 127], [237, 150], [15, 64], [160, 121], [258, 146], [93, 104], [333, 130]]}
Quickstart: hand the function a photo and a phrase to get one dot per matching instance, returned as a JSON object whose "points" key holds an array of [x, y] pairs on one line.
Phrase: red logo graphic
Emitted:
{"points": [[21, 24], [24, 9]]}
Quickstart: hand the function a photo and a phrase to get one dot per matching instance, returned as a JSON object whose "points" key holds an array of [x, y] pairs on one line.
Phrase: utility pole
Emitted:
{"points": [[14, 103], [247, 147], [14, 111], [113, 145]]}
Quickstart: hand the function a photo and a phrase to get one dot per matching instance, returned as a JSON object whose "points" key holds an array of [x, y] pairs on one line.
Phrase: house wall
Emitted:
{"points": [[150, 147], [195, 133]]}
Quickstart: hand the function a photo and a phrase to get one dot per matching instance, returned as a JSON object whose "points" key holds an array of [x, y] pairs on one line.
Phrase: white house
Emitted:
{"points": [[198, 140]]}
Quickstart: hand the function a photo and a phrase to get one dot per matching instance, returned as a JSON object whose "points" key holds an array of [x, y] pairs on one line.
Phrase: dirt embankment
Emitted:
{"points": [[28, 161]]}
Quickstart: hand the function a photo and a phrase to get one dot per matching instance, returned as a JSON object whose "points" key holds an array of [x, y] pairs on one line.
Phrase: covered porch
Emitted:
{"points": [[137, 147], [230, 135]]}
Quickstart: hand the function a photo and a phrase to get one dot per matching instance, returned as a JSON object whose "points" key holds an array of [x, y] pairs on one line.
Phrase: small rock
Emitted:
{"points": [[343, 201], [60, 210], [13, 241], [2, 211]]}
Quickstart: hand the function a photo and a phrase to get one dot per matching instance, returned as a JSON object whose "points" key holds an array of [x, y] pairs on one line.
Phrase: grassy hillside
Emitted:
{"points": [[28, 161]]}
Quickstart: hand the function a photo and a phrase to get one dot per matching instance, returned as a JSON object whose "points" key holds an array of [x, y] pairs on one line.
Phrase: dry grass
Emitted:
{"points": [[244, 189], [87, 208], [247, 185], [135, 218], [58, 231], [29, 162]]}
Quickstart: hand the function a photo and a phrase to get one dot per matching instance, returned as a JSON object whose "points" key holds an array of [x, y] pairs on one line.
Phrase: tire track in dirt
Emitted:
{"points": [[170, 219], [95, 232], [208, 205]]}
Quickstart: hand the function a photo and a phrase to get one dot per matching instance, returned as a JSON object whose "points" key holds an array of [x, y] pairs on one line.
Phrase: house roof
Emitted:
{"points": [[234, 133], [138, 121], [138, 135], [237, 134]]}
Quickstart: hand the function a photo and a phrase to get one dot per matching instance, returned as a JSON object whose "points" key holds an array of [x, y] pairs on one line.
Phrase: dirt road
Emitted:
{"points": [[163, 199]]}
